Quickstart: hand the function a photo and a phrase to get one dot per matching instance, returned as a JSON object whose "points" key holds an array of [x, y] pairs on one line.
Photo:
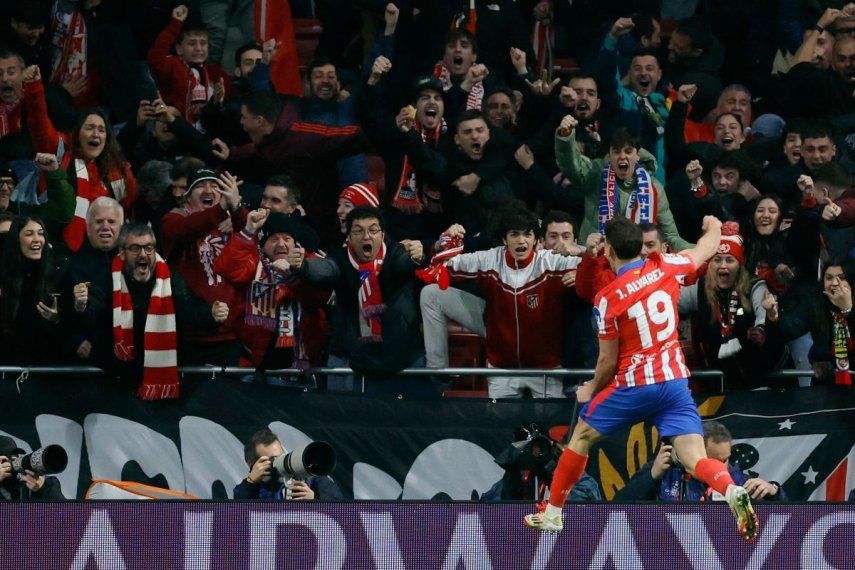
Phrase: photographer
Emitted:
{"points": [[27, 486], [264, 484], [664, 479], [529, 464]]}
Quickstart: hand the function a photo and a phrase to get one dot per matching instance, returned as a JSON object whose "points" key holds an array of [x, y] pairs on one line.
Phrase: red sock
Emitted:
{"points": [[570, 467], [714, 473]]}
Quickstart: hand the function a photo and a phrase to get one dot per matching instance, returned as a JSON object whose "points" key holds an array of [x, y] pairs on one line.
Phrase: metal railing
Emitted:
{"points": [[23, 372]]}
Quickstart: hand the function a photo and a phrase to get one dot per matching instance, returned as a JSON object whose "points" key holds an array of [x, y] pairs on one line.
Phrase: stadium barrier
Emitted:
{"points": [[417, 535]]}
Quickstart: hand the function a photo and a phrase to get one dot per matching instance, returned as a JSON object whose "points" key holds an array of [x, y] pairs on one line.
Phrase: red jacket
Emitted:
{"points": [[120, 182], [523, 317], [191, 243], [238, 264], [593, 273], [173, 76]]}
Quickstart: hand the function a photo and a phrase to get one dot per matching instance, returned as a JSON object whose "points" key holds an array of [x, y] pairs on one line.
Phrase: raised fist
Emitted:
{"points": [[391, 16], [710, 223], [46, 161], [805, 184], [518, 60], [686, 92], [381, 66], [268, 50], [568, 123], [255, 220], [180, 12], [31, 74], [476, 74], [694, 170], [621, 27]]}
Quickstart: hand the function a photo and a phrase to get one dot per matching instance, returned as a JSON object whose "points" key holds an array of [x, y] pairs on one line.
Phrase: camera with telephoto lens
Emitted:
{"points": [[48, 460], [528, 462], [314, 459]]}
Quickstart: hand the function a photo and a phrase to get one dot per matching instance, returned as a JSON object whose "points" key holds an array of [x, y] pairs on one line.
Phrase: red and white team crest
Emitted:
{"points": [[532, 301]]}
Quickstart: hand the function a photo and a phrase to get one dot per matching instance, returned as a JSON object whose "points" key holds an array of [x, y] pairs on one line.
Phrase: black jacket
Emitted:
{"points": [[12, 490], [401, 341]]}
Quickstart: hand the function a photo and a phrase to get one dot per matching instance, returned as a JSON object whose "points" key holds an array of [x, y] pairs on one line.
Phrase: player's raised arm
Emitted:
{"points": [[707, 246]]}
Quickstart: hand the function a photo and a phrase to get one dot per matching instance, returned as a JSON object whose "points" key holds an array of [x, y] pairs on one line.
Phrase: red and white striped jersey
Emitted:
{"points": [[639, 309]]}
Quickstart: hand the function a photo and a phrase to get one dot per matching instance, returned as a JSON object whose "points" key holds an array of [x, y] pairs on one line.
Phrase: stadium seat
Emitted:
{"points": [[466, 349]]}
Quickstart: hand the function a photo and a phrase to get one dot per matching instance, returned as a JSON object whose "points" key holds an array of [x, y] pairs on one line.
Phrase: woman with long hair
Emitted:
{"points": [[786, 257], [28, 306], [90, 154], [730, 325], [829, 318]]}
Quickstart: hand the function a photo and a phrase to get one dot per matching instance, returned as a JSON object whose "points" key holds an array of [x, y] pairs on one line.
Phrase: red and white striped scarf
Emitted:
{"points": [[476, 94], [160, 344], [409, 197], [69, 50], [370, 297], [445, 249], [89, 187]]}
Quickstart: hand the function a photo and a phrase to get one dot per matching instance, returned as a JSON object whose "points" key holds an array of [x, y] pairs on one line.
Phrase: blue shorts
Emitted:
{"points": [[668, 404]]}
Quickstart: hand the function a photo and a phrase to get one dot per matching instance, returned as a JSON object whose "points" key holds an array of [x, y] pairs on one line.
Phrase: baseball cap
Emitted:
{"points": [[198, 175], [428, 82], [9, 447]]}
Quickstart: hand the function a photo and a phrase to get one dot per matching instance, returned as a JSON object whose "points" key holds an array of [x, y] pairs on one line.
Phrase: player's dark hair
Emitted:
{"points": [[557, 217], [625, 237]]}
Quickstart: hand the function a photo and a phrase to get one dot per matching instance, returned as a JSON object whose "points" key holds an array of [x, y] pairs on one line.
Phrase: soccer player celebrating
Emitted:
{"points": [[641, 372]]}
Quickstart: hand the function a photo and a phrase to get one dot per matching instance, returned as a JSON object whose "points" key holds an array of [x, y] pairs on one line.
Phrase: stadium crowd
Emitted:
{"points": [[162, 204]]}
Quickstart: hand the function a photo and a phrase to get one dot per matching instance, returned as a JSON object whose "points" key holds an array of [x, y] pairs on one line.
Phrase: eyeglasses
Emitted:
{"points": [[7, 182], [136, 248], [360, 232]]}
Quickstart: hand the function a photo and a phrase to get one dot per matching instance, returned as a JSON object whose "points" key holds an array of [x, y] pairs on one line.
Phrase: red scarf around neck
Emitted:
{"points": [[160, 341], [410, 197], [370, 297]]}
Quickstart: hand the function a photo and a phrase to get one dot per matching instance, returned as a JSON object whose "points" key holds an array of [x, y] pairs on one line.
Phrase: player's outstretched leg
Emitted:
{"points": [[715, 474], [571, 466], [740, 505]]}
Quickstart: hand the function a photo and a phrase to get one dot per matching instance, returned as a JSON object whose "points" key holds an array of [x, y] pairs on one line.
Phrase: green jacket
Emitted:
{"points": [[586, 176], [58, 210]]}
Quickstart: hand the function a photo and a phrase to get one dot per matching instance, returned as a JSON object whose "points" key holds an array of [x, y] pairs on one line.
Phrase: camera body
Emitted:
{"points": [[527, 462]]}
